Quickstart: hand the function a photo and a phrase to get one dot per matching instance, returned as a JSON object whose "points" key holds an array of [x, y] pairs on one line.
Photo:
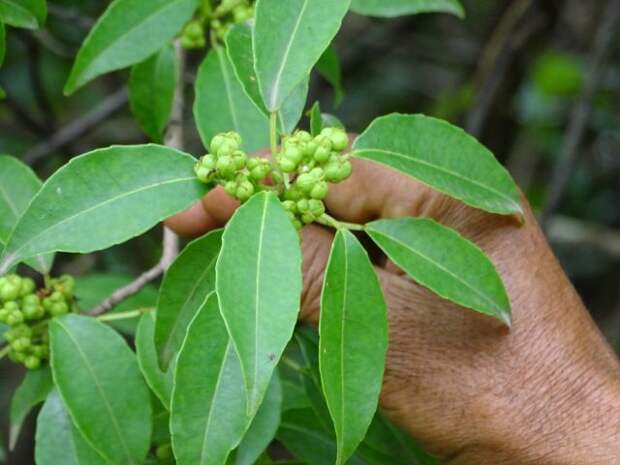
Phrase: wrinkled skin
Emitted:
{"points": [[471, 390]]}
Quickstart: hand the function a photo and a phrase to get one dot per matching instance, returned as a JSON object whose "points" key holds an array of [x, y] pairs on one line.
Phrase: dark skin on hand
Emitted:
{"points": [[545, 392]]}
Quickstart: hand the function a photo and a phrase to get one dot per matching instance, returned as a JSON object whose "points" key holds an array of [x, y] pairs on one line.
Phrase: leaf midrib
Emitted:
{"points": [[100, 389], [432, 262], [437, 168], [88, 210], [344, 319], [231, 104], [287, 52]]}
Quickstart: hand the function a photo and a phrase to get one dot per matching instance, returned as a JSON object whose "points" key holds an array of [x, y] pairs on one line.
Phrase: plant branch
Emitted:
{"points": [[332, 222], [125, 315], [580, 117], [78, 128], [170, 246]]}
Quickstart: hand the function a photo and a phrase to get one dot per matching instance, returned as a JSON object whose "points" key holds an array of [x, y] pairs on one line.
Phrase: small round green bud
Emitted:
{"points": [[216, 143], [307, 218], [163, 452], [339, 139], [10, 291], [12, 306], [193, 30], [235, 137], [303, 206], [187, 43], [4, 313], [290, 206], [260, 172], [27, 287], [345, 170], [225, 166], [316, 207], [321, 154], [309, 148], [287, 165], [20, 344], [15, 318], [240, 159], [208, 161], [245, 190], [40, 351], [294, 193], [317, 173], [319, 191], [31, 299], [47, 303], [33, 312], [203, 174], [298, 224], [294, 154], [32, 363], [59, 308], [57, 296], [305, 182], [253, 162], [231, 188], [332, 171], [323, 141]]}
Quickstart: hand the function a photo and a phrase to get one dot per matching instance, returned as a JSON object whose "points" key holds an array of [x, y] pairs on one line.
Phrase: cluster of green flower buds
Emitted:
{"points": [[193, 35], [229, 13], [26, 309], [315, 161], [228, 165]]}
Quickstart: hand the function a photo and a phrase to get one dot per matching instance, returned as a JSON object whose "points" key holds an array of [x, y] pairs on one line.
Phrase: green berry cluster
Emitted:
{"points": [[193, 35], [315, 162], [229, 166], [26, 310], [231, 12]]}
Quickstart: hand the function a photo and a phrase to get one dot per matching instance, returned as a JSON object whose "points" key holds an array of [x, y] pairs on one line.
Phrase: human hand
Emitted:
{"points": [[472, 391]]}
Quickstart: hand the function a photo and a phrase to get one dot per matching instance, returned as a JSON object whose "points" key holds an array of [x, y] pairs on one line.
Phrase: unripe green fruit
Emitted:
{"points": [[345, 170], [59, 309], [186, 42], [307, 218], [208, 161], [235, 137], [194, 30], [290, 206], [4, 313], [57, 296], [294, 154], [317, 173], [321, 154], [31, 299], [203, 174], [15, 318], [231, 188], [319, 191], [339, 139], [316, 207], [309, 148], [32, 363], [260, 172], [305, 182], [332, 172], [298, 224], [10, 291], [17, 357], [239, 159], [40, 351], [12, 306], [294, 193], [225, 166], [27, 287], [287, 165], [216, 143], [163, 452], [323, 141], [303, 206], [20, 344], [253, 163], [245, 190]]}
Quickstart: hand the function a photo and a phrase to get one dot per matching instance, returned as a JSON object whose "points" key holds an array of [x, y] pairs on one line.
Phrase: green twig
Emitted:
{"points": [[273, 140], [125, 315], [327, 220]]}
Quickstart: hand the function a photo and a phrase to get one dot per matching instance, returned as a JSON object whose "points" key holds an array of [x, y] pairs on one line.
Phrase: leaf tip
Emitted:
{"points": [[506, 318]]}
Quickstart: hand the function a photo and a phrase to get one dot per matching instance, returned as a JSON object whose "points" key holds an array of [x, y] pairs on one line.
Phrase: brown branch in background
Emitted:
{"points": [[78, 128], [170, 245], [569, 153], [496, 60]]}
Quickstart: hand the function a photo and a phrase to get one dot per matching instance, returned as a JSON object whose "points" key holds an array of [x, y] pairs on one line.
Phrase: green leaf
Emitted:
{"points": [[316, 120], [30, 14], [2, 94], [159, 381], [258, 281], [440, 259], [222, 105], [208, 414], [33, 390], [331, 121], [152, 86], [186, 285], [393, 8], [329, 67], [240, 53], [443, 157], [57, 439], [18, 185], [127, 33], [103, 198], [93, 288], [263, 427], [289, 38], [101, 385], [2, 43], [353, 341]]}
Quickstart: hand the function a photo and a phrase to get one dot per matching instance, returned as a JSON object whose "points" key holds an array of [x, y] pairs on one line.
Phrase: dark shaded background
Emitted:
{"points": [[537, 81]]}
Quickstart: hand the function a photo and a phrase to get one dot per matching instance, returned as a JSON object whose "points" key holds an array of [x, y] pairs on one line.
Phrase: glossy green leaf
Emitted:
{"points": [[329, 67], [316, 121], [159, 381], [353, 341], [18, 185], [331, 121], [440, 259], [208, 414], [103, 198], [239, 48], [93, 288], [289, 38], [260, 252], [33, 390], [393, 8], [222, 105], [30, 14], [264, 425], [127, 33], [58, 441], [186, 285], [151, 91], [101, 385], [442, 156], [2, 43]]}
